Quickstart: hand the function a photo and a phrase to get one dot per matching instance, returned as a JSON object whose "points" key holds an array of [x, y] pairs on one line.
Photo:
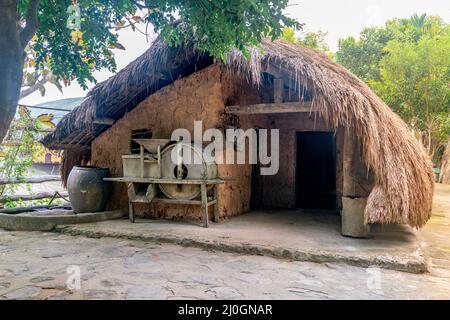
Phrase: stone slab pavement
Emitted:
{"points": [[36, 265], [300, 236], [289, 234]]}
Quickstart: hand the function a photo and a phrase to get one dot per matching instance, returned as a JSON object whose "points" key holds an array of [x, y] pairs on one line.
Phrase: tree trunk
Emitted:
{"points": [[11, 63]]}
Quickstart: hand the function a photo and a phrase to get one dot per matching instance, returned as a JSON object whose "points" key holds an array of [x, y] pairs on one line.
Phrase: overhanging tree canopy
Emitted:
{"points": [[216, 26]]}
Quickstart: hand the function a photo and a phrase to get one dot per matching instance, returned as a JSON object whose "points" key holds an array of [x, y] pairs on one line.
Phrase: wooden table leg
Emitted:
{"points": [[204, 205], [216, 205], [131, 212]]}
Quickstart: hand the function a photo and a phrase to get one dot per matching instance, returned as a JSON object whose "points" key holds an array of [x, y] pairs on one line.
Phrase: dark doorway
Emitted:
{"points": [[316, 170]]}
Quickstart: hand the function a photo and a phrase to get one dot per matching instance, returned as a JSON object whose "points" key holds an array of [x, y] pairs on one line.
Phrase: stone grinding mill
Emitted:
{"points": [[170, 172], [188, 164]]}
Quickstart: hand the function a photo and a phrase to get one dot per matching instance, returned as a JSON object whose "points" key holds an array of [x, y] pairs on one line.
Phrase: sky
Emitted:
{"points": [[340, 18]]}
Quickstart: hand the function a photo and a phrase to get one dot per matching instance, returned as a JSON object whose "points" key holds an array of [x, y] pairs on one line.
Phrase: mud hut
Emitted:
{"points": [[341, 147]]}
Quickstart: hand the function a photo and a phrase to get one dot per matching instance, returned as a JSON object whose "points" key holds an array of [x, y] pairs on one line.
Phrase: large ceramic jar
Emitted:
{"points": [[87, 190]]}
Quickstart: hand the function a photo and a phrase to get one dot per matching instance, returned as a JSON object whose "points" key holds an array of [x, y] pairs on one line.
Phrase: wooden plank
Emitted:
{"points": [[39, 130], [264, 108], [152, 145], [40, 195], [177, 201], [65, 146], [171, 201], [162, 180], [46, 108], [39, 179]]}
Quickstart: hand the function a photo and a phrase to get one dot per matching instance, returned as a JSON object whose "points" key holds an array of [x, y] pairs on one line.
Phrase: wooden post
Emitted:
{"points": [[131, 213], [131, 194], [216, 205], [278, 90], [159, 162], [204, 205], [142, 160]]}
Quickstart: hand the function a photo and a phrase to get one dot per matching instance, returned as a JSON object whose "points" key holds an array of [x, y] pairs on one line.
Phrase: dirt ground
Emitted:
{"points": [[37, 265]]}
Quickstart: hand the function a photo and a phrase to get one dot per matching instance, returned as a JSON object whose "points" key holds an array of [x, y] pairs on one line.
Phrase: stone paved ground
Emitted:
{"points": [[34, 265]]}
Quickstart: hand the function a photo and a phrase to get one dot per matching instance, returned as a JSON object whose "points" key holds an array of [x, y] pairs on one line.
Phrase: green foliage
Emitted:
{"points": [[363, 56], [315, 40], [310, 39], [18, 151], [21, 148], [407, 63], [216, 26], [31, 203], [415, 83], [289, 35]]}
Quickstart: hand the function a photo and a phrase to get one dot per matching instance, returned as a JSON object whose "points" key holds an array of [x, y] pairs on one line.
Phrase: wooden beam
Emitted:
{"points": [[287, 107], [269, 68], [104, 121], [163, 180], [38, 179], [73, 137], [37, 196], [66, 146], [278, 90]]}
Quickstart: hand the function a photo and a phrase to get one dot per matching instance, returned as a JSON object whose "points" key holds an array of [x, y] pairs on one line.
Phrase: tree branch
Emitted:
{"points": [[31, 23], [36, 86]]}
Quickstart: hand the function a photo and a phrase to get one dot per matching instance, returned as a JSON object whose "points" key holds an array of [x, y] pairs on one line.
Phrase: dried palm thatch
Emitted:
{"points": [[404, 176], [111, 99], [404, 173]]}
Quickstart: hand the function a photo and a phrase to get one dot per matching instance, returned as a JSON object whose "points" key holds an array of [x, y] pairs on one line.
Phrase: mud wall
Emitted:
{"points": [[197, 97], [203, 96], [279, 191]]}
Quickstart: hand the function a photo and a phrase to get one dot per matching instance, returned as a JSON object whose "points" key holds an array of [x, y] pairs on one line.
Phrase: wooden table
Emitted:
{"points": [[203, 183]]}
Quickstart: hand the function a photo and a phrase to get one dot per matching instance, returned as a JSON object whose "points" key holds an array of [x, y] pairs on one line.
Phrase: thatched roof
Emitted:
{"points": [[111, 99], [404, 176]]}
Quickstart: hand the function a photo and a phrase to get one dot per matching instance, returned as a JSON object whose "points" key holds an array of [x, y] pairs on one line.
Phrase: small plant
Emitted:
{"points": [[30, 203], [21, 148]]}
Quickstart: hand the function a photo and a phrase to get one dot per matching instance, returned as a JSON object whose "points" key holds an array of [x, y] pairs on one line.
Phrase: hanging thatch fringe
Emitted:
{"points": [[404, 176], [404, 173]]}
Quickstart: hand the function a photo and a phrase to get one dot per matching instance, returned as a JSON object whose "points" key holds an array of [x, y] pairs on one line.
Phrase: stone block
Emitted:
{"points": [[352, 218]]}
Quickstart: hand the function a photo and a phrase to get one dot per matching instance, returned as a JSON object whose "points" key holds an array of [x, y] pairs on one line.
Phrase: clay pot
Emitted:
{"points": [[87, 190]]}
